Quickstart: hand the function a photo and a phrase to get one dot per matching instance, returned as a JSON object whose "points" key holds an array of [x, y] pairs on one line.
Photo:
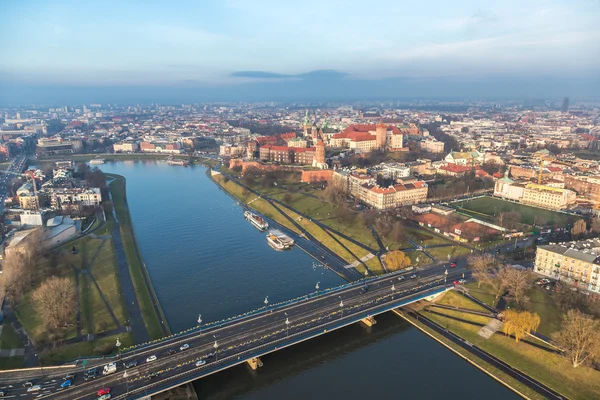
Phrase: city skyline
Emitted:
{"points": [[302, 49]]}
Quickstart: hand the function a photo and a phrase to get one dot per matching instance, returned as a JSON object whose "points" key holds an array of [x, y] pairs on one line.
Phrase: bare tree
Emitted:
{"points": [[520, 323], [579, 228], [481, 267], [579, 338], [56, 301], [518, 282], [14, 276]]}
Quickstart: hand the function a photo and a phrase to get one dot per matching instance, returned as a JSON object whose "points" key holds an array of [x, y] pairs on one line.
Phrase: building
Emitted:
{"points": [[47, 147], [507, 189], [75, 197], [365, 138], [297, 142], [577, 263], [464, 158], [395, 170], [229, 150], [147, 147], [548, 197], [392, 196], [454, 170], [126, 147], [586, 186], [288, 155], [29, 201], [431, 145]]}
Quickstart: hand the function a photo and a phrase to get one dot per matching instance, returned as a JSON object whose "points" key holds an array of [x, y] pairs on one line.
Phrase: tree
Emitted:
{"points": [[519, 323], [481, 267], [567, 299], [395, 260], [287, 198], [55, 300], [578, 338], [579, 228], [517, 282], [14, 276], [464, 129], [397, 233], [595, 225]]}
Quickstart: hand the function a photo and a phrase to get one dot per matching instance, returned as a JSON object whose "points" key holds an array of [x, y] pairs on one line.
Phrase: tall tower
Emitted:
{"points": [[251, 150], [381, 135], [306, 123], [313, 133], [319, 160]]}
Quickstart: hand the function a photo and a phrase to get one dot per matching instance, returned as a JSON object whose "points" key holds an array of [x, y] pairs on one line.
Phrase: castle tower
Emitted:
{"points": [[306, 124], [313, 133], [251, 149], [381, 135], [319, 160]]}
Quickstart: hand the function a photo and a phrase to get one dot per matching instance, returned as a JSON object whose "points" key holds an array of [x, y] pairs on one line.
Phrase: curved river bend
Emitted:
{"points": [[204, 258]]}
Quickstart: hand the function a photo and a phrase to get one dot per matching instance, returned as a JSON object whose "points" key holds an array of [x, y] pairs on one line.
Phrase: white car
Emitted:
{"points": [[400, 278], [184, 347], [200, 363], [151, 358], [35, 388], [462, 281]]}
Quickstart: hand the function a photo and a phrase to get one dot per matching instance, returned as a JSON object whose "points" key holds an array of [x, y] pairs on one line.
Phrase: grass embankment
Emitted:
{"points": [[441, 253], [136, 269], [536, 361], [106, 345]]}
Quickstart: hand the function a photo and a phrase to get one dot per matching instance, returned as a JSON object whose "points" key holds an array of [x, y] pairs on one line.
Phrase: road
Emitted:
{"points": [[243, 338], [16, 167]]}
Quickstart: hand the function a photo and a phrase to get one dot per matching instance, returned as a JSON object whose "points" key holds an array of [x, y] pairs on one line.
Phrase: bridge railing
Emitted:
{"points": [[263, 309]]}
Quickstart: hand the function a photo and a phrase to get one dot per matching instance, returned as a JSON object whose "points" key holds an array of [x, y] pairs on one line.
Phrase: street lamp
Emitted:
{"points": [[119, 347], [200, 322], [216, 346], [445, 276], [366, 272], [266, 301], [287, 326], [341, 307], [393, 288]]}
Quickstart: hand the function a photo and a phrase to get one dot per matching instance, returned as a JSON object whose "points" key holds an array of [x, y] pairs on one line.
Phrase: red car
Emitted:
{"points": [[452, 265], [456, 282], [103, 391]]}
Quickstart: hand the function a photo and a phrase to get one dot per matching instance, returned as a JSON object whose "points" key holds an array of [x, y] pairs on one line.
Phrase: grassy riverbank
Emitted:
{"points": [[141, 281], [530, 356]]}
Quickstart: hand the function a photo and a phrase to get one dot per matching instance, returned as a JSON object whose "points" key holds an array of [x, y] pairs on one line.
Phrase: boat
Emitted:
{"points": [[274, 242], [256, 220], [97, 161], [287, 241], [183, 163]]}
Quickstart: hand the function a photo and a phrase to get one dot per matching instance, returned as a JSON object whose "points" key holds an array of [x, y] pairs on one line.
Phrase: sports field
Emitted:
{"points": [[489, 208]]}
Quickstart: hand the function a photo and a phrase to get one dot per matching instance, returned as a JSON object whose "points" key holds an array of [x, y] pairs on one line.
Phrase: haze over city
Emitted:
{"points": [[310, 50]]}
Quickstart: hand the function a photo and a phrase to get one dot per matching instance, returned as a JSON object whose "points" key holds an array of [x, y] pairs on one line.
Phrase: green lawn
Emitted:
{"points": [[151, 319], [104, 346], [441, 253], [550, 315], [12, 362], [452, 298], [489, 208], [551, 369], [10, 338], [422, 258], [483, 293]]}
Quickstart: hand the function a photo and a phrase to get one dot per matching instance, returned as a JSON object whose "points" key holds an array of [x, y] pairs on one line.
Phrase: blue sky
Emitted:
{"points": [[229, 42]]}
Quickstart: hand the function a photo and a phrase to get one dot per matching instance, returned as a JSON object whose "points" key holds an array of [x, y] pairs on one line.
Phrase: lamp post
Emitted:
{"points": [[119, 347], [341, 307], [445, 276], [366, 272], [393, 289], [287, 326], [216, 346], [266, 301], [317, 288], [200, 322]]}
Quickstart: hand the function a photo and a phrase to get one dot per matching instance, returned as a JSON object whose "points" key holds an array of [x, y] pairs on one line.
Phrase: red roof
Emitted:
{"points": [[554, 169], [352, 130], [455, 168]]}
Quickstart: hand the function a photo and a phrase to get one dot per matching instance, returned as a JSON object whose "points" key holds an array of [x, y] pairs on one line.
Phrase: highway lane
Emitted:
{"points": [[241, 337]]}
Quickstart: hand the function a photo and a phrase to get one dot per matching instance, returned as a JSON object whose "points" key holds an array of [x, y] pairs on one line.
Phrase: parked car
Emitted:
{"points": [[151, 358], [66, 384], [184, 347], [130, 364], [200, 363], [103, 391]]}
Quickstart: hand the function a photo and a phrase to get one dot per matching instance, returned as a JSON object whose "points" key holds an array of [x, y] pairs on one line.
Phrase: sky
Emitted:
{"points": [[537, 48]]}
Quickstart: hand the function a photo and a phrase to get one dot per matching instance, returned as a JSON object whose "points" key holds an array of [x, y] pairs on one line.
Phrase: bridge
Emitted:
{"points": [[237, 340]]}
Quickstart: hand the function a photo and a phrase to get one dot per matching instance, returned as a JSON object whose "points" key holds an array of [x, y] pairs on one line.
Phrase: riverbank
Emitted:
{"points": [[152, 313], [200, 159]]}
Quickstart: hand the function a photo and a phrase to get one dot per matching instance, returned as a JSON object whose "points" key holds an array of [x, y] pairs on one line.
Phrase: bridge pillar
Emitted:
{"points": [[255, 363], [369, 321]]}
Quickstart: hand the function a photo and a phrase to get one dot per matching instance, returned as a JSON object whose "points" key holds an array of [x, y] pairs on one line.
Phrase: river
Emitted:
{"points": [[204, 258]]}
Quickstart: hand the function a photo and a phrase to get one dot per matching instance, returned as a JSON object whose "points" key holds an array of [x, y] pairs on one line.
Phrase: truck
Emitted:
{"points": [[109, 368]]}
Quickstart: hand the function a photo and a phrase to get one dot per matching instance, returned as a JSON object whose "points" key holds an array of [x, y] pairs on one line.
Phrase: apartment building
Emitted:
{"points": [[288, 155], [89, 197], [392, 196], [126, 147], [431, 145], [577, 263], [548, 197], [229, 150]]}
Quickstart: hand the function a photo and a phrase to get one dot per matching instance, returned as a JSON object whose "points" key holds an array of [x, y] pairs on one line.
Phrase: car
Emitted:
{"points": [[130, 364], [461, 281], [456, 282], [172, 351], [200, 363], [105, 397], [34, 388], [364, 289], [453, 265], [413, 276], [28, 384], [103, 391], [153, 375], [91, 374], [400, 278], [151, 358], [184, 347], [66, 384], [69, 377], [2, 393]]}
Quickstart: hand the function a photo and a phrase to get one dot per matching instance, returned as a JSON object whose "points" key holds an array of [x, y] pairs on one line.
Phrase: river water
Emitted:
{"points": [[205, 258]]}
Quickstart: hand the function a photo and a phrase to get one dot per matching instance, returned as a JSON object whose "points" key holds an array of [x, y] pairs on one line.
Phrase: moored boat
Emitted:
{"points": [[287, 241], [256, 220], [274, 242]]}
